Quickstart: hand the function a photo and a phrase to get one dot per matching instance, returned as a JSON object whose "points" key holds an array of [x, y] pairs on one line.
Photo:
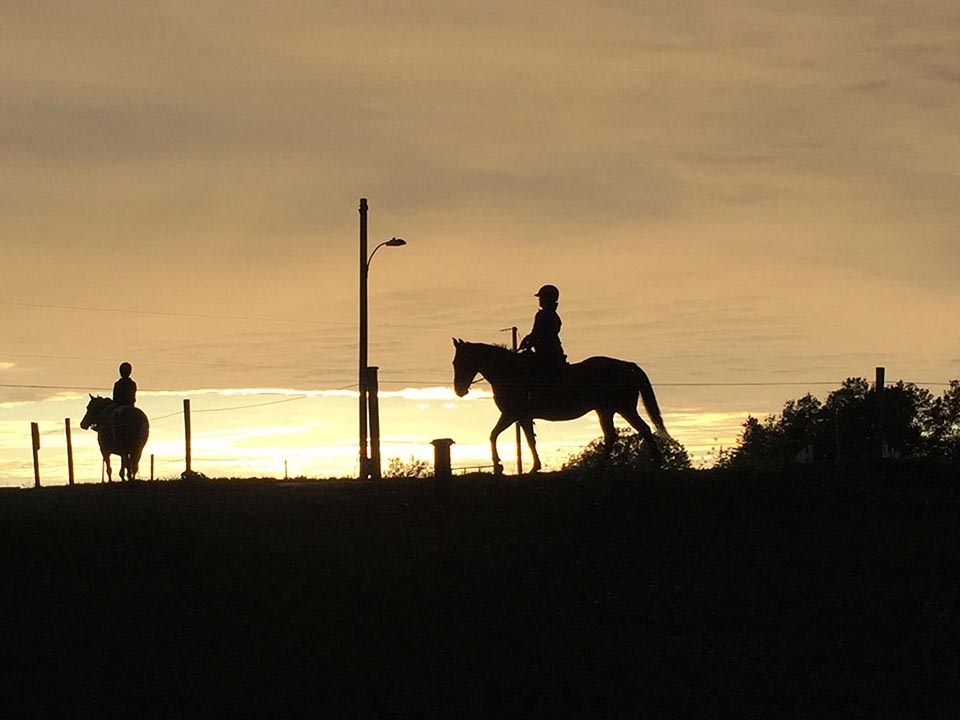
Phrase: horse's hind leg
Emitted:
{"points": [[502, 424], [633, 417], [133, 464], [527, 426], [609, 432]]}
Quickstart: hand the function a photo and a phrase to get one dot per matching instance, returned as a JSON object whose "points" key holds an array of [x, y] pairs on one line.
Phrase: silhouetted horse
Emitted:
{"points": [[603, 384], [121, 430]]}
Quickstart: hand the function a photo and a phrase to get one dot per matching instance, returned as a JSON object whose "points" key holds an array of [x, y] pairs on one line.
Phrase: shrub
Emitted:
{"points": [[413, 468], [630, 453]]}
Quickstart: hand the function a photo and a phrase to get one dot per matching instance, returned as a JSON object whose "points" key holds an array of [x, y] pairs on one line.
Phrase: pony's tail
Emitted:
{"points": [[650, 401]]}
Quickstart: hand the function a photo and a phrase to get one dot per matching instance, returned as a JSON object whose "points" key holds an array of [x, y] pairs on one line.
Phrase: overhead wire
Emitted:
{"points": [[168, 313]]}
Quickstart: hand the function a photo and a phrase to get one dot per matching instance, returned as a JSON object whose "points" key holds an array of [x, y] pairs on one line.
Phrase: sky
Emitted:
{"points": [[725, 193]]}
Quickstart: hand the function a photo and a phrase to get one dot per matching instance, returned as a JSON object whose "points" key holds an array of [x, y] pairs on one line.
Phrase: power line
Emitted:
{"points": [[164, 313], [445, 383], [139, 361], [212, 316], [773, 383], [255, 405], [85, 388]]}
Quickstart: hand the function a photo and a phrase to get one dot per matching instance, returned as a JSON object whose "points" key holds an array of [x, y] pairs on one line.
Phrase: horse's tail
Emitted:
{"points": [[650, 400]]}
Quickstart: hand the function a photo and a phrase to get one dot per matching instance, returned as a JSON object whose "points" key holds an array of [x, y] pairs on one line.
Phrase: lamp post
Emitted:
{"points": [[366, 472]]}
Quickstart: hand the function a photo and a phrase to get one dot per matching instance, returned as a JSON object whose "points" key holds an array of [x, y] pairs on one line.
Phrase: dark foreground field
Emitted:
{"points": [[813, 593]]}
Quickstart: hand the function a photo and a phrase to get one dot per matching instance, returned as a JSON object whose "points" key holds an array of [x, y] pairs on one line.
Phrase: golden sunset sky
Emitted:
{"points": [[739, 192]]}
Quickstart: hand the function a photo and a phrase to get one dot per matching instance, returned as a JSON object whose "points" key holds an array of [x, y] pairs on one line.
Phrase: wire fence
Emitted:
{"points": [[56, 466]]}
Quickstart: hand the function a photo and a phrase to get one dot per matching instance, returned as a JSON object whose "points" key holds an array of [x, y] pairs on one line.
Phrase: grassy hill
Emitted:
{"points": [[808, 593]]}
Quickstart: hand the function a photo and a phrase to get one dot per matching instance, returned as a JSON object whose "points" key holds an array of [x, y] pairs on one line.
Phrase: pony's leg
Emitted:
{"points": [[106, 461], [502, 424], [609, 432], [633, 417], [527, 426]]}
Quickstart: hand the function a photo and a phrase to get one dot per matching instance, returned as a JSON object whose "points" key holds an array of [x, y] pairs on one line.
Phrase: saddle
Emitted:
{"points": [[114, 416], [541, 370]]}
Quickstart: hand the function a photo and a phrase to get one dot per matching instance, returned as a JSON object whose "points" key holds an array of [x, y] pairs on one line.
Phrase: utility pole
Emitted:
{"points": [[369, 416], [364, 461]]}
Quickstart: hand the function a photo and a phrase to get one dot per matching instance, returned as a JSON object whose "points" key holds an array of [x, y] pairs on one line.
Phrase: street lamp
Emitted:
{"points": [[368, 469], [392, 242]]}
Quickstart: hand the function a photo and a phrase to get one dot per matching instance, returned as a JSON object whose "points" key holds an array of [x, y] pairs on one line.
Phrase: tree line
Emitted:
{"points": [[852, 424]]}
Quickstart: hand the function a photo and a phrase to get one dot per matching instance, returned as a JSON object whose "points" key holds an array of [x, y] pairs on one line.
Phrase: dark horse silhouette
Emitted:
{"points": [[602, 384], [121, 430]]}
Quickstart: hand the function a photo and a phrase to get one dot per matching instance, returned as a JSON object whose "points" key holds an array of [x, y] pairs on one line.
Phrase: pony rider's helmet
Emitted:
{"points": [[548, 294], [125, 369]]}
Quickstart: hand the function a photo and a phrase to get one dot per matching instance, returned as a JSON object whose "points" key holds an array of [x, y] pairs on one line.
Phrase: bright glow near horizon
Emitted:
{"points": [[313, 435]]}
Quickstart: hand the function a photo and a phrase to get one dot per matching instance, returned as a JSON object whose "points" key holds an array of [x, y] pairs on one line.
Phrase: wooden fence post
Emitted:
{"points": [[66, 427], [513, 333], [151, 466], [35, 437], [373, 399], [517, 428], [186, 434], [878, 386]]}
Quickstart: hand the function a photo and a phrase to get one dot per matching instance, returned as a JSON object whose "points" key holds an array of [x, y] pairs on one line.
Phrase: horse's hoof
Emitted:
{"points": [[497, 469], [535, 469]]}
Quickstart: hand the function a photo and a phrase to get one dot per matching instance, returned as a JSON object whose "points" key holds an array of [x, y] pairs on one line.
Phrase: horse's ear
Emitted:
{"points": [[457, 342], [91, 395]]}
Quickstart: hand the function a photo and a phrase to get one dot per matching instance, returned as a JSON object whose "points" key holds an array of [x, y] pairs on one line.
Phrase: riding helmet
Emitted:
{"points": [[548, 293], [125, 369]]}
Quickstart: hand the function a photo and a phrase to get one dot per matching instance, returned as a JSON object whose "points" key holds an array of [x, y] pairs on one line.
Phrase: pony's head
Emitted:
{"points": [[94, 411], [465, 367]]}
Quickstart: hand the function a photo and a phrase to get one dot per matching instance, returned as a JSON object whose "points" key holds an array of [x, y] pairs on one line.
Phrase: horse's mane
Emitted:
{"points": [[493, 346]]}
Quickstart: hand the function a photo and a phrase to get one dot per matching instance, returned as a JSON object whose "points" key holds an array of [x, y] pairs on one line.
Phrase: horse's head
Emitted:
{"points": [[94, 410], [465, 367]]}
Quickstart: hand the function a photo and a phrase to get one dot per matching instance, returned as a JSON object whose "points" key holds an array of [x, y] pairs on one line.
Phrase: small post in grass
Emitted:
{"points": [[442, 471]]}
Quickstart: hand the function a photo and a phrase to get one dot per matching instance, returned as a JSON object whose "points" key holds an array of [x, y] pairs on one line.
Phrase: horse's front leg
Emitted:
{"points": [[527, 425], [106, 462], [502, 424]]}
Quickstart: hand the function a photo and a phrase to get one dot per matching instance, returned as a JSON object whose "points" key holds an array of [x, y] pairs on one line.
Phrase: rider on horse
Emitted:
{"points": [[125, 389], [124, 396], [544, 338]]}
